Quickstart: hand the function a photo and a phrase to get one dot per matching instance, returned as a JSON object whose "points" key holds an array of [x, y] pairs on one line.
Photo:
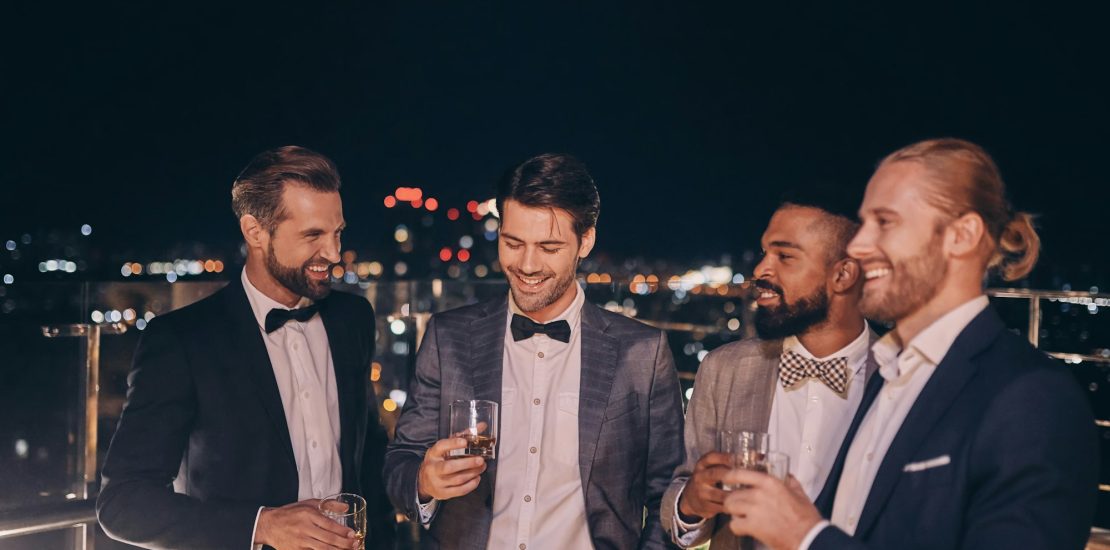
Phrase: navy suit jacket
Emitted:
{"points": [[202, 396], [1022, 448], [629, 424]]}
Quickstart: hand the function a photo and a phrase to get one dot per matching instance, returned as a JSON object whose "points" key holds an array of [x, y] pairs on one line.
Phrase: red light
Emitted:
{"points": [[476, 215], [431, 204], [452, 214], [464, 255], [445, 254], [417, 203], [472, 206], [409, 194], [390, 201]]}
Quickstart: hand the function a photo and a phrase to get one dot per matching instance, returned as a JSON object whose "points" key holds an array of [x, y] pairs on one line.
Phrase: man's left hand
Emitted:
{"points": [[778, 514]]}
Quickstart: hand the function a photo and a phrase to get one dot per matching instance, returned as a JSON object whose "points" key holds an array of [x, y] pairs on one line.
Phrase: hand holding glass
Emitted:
{"points": [[747, 449], [348, 510], [476, 421]]}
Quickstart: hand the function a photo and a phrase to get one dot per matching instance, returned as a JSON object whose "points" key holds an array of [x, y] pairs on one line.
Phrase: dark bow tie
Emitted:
{"points": [[523, 328], [277, 318], [794, 369]]}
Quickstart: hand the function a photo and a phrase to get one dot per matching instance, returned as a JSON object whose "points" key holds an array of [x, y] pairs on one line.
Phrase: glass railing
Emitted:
{"points": [[65, 351]]}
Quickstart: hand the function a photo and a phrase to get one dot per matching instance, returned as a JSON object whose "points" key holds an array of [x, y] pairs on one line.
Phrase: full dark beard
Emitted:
{"points": [[294, 278], [792, 319]]}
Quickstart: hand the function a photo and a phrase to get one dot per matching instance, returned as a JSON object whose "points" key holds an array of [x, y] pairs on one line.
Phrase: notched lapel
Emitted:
{"points": [[344, 347], [599, 365]]}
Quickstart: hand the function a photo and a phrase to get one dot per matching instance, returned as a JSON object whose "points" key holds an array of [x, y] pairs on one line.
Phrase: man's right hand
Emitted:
{"points": [[301, 525], [442, 478], [703, 498]]}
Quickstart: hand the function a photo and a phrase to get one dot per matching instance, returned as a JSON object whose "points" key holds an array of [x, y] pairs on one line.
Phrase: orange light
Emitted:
{"points": [[390, 201], [464, 255], [219, 266], [409, 194], [375, 371], [349, 257], [209, 266], [472, 206], [452, 214], [417, 203], [337, 272], [137, 268], [593, 278], [431, 204], [389, 405], [445, 254]]}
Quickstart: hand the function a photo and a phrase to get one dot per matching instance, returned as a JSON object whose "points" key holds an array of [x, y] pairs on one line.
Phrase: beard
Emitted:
{"points": [[295, 279], [913, 281], [772, 323], [533, 302]]}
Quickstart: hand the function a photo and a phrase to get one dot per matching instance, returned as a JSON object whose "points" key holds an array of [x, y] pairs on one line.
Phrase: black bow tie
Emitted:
{"points": [[523, 328], [277, 318]]}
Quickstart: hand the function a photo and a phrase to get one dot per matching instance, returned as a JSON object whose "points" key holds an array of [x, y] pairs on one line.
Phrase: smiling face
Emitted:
{"points": [[900, 244], [791, 279], [539, 252], [305, 244]]}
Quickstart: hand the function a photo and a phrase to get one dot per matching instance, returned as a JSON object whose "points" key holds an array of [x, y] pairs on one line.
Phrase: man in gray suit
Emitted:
{"points": [[591, 414], [800, 381]]}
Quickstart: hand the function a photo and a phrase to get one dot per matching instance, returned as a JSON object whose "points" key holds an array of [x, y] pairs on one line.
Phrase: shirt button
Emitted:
{"points": [[870, 456], [313, 443], [540, 355], [809, 448], [527, 498], [536, 401], [532, 450], [813, 399], [295, 345], [522, 546], [305, 394]]}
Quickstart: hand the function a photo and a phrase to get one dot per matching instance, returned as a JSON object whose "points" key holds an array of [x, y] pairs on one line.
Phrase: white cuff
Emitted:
{"points": [[254, 532], [427, 510], [812, 534], [685, 534]]}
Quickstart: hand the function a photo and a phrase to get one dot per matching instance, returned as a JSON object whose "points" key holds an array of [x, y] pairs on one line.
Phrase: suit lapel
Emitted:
{"points": [[248, 356], [345, 362], [599, 366], [487, 354], [950, 376]]}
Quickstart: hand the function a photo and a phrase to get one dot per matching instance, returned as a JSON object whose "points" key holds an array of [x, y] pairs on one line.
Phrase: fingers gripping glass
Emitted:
{"points": [[348, 510], [476, 421]]}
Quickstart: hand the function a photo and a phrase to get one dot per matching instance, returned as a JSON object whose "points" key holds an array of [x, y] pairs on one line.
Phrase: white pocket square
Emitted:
{"points": [[927, 464]]}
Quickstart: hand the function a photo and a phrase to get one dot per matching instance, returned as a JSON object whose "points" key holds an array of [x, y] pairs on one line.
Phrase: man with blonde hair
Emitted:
{"points": [[969, 438]]}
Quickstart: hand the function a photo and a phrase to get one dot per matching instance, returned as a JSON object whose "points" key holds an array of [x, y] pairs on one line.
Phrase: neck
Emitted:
{"points": [[832, 335], [950, 297], [261, 279]]}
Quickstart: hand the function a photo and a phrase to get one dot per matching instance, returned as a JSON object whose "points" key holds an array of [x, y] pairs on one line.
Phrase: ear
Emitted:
{"points": [[253, 233], [965, 234], [844, 275], [586, 242]]}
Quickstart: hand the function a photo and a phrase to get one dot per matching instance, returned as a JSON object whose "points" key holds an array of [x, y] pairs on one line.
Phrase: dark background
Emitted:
{"points": [[693, 118]]}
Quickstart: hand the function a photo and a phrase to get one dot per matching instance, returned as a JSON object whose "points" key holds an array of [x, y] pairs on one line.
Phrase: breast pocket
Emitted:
{"points": [[566, 429]]}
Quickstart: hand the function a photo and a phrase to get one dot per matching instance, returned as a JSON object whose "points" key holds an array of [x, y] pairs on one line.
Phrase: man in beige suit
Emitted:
{"points": [[800, 381]]}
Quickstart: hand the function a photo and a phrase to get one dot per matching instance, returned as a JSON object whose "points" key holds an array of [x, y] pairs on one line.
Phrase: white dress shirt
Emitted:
{"points": [[905, 372], [301, 358], [538, 500], [808, 423]]}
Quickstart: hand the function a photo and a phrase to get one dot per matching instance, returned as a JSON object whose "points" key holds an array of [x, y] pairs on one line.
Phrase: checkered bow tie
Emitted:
{"points": [[795, 369]]}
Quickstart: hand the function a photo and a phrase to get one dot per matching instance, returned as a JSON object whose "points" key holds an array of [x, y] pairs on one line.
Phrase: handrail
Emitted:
{"points": [[26, 521]]}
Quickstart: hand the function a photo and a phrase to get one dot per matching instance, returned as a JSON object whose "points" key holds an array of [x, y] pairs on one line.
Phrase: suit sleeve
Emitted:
{"points": [[665, 451], [417, 428], [137, 503], [700, 432], [380, 519]]}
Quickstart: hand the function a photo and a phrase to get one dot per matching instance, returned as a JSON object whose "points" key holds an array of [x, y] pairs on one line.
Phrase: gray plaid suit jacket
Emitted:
{"points": [[630, 424], [734, 388]]}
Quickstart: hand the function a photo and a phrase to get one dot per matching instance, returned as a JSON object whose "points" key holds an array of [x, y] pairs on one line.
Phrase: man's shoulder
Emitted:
{"points": [[464, 315], [621, 326], [747, 348], [349, 303], [197, 313]]}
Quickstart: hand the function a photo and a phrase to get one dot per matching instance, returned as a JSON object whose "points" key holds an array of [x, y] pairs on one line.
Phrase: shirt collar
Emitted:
{"points": [[572, 314], [261, 304], [855, 352], [932, 343]]}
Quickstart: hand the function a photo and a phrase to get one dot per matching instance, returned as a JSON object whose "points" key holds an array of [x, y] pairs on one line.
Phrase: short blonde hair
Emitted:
{"points": [[965, 179]]}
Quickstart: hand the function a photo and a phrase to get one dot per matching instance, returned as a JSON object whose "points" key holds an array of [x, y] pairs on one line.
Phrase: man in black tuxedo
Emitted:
{"points": [[256, 402], [970, 438]]}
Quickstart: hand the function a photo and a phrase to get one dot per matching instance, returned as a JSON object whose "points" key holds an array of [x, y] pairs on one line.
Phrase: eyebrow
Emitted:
{"points": [[317, 230], [878, 210], [786, 244], [541, 243]]}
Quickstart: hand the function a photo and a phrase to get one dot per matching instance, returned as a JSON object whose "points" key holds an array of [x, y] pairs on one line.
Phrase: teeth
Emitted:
{"points": [[876, 273], [767, 294], [317, 268], [532, 281]]}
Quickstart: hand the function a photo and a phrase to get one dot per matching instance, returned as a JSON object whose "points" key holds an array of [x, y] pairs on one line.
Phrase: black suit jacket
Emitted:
{"points": [[1021, 448], [202, 397], [629, 424]]}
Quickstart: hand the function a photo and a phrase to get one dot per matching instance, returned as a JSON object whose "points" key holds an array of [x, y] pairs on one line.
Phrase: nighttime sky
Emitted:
{"points": [[693, 119]]}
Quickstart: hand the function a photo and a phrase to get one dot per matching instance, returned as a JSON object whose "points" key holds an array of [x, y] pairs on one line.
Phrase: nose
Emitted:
{"points": [[763, 268], [529, 260], [330, 250], [863, 243]]}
